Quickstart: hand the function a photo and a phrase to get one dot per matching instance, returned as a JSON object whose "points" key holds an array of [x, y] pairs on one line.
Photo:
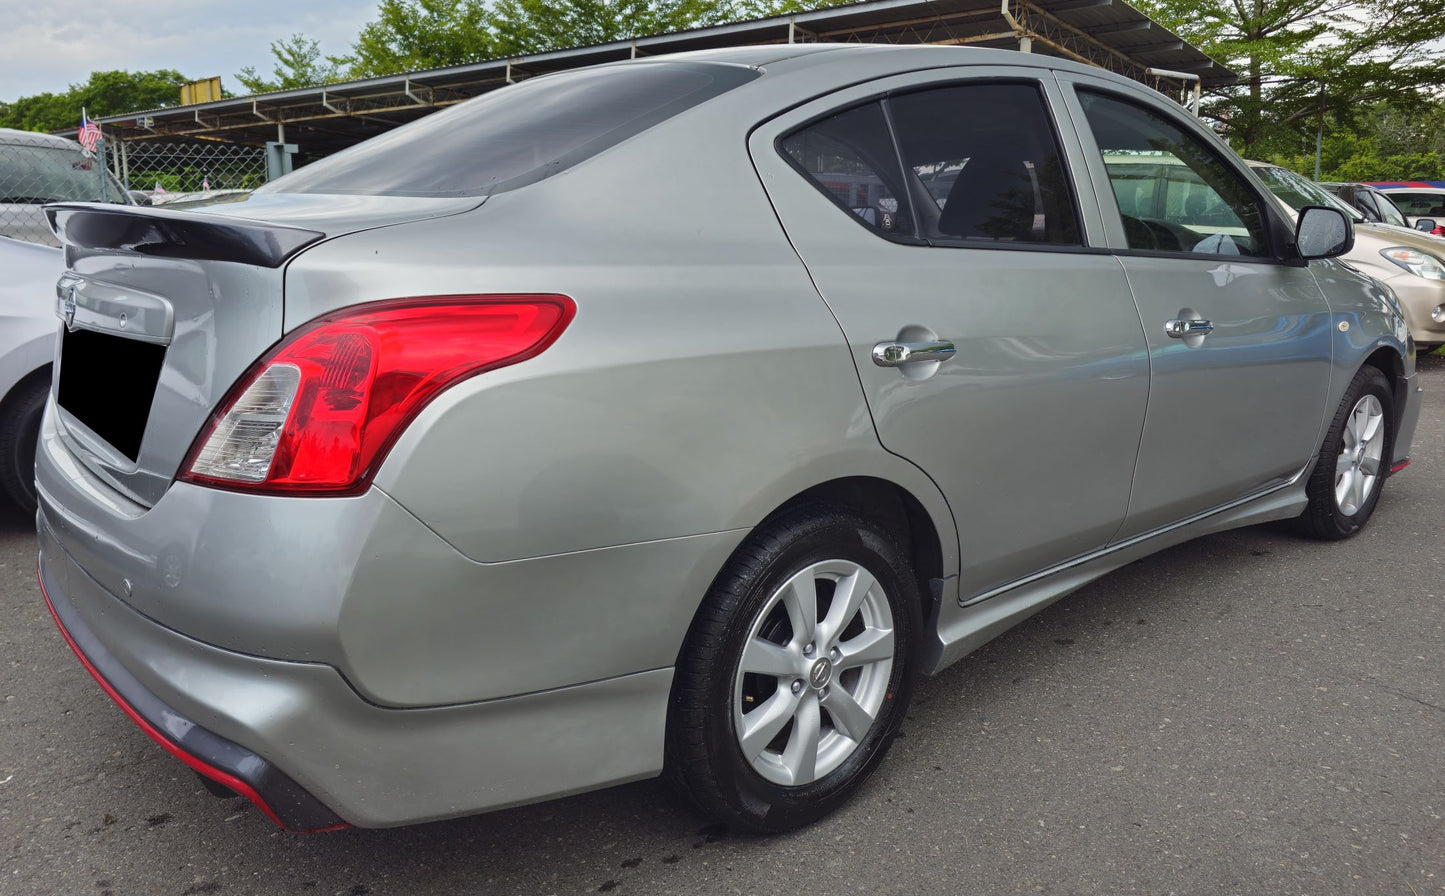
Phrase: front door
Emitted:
{"points": [[1239, 341]]}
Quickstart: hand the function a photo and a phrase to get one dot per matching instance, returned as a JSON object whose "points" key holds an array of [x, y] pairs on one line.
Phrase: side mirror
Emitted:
{"points": [[1323, 232], [1425, 224]]}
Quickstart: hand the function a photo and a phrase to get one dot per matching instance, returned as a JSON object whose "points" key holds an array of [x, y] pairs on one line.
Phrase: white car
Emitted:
{"points": [[35, 169], [27, 347], [1417, 202]]}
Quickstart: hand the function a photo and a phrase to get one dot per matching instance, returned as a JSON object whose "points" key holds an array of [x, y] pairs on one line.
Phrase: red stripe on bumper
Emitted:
{"points": [[220, 777]]}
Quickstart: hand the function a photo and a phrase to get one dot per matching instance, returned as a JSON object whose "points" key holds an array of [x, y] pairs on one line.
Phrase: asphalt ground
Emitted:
{"points": [[1250, 713]]}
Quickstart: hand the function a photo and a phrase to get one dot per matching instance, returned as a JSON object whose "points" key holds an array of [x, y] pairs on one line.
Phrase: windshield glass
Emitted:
{"points": [[1298, 192], [1432, 204], [35, 175], [518, 134]]}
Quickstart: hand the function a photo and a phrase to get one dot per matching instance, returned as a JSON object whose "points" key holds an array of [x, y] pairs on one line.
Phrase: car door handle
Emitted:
{"points": [[1178, 329], [892, 354]]}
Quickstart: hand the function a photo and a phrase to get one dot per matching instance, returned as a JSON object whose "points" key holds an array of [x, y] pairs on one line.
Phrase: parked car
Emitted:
{"points": [[597, 436], [1411, 263], [40, 168], [34, 169], [27, 347], [1418, 202], [1375, 206]]}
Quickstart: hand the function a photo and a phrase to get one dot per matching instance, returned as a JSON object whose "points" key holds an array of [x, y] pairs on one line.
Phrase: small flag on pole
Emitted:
{"points": [[206, 184], [89, 135]]}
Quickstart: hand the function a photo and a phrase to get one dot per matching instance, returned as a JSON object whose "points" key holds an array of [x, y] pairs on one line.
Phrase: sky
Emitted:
{"points": [[50, 44]]}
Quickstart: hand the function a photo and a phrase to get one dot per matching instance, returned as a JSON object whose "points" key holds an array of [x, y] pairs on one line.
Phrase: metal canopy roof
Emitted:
{"points": [[321, 120]]}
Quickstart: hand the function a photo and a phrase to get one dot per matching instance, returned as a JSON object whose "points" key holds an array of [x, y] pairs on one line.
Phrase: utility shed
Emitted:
{"points": [[322, 120]]}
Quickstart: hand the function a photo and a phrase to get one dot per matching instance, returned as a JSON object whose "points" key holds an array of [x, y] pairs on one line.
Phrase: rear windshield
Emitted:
{"points": [[518, 134], [35, 175]]}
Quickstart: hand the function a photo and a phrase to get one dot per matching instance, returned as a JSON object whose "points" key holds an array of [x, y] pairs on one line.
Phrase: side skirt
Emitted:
{"points": [[962, 628]]}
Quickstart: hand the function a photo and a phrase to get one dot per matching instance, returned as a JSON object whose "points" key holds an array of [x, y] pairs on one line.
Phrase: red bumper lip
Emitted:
{"points": [[231, 765]]}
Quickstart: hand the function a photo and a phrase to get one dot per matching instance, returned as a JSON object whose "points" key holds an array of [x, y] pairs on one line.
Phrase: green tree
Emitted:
{"points": [[415, 34], [1302, 61], [299, 63], [104, 93]]}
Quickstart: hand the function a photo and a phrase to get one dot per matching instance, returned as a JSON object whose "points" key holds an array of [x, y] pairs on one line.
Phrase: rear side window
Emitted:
{"points": [[850, 157], [516, 135], [988, 163], [974, 164]]}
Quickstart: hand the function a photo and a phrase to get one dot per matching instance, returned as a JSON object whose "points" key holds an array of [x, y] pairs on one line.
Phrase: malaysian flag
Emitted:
{"points": [[89, 135]]}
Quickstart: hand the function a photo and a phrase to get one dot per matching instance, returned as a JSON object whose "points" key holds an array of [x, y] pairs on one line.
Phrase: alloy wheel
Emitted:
{"points": [[1362, 446], [814, 672]]}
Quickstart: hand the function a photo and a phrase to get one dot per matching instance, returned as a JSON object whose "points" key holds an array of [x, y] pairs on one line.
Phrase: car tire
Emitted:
{"points": [[1354, 460], [20, 415], [775, 719]]}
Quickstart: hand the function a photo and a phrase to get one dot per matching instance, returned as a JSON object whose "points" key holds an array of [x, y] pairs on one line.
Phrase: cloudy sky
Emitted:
{"points": [[50, 44]]}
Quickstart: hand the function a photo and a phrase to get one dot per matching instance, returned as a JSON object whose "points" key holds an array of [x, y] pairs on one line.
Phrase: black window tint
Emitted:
{"points": [[987, 164], [1175, 195], [518, 134], [850, 157]]}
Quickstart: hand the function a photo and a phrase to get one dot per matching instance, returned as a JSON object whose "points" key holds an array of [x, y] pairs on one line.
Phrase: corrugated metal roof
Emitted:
{"points": [[1108, 33]]}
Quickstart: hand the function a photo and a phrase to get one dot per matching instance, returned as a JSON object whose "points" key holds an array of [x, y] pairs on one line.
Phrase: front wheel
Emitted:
{"points": [[796, 673], [1354, 460]]}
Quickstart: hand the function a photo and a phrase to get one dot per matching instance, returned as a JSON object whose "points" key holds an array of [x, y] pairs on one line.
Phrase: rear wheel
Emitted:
{"points": [[796, 673], [19, 431], [1354, 460]]}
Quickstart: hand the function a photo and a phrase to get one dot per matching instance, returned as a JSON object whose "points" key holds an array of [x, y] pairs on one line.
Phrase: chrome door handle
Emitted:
{"points": [[892, 354], [1178, 329]]}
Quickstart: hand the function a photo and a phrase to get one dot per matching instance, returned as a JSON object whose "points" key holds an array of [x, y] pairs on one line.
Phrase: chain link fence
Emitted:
{"points": [[36, 169], [164, 168]]}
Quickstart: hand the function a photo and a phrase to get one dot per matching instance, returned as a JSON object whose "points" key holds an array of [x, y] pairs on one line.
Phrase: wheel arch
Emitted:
{"points": [[1388, 361], [43, 373], [895, 508]]}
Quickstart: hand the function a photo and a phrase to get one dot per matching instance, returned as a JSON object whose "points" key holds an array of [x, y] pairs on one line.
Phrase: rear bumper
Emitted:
{"points": [[226, 763], [298, 741]]}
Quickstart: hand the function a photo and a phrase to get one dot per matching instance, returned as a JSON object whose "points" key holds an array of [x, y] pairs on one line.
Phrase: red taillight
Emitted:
{"points": [[318, 413], [1439, 230]]}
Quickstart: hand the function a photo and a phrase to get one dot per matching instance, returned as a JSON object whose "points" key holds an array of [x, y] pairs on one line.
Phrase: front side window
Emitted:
{"points": [[850, 157], [1388, 212], [1174, 194]]}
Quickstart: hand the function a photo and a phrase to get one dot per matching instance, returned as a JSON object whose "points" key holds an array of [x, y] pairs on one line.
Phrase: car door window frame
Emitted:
{"points": [[1278, 234], [1092, 233]]}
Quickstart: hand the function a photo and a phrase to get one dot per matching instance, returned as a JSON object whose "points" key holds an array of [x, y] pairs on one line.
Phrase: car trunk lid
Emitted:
{"points": [[165, 309]]}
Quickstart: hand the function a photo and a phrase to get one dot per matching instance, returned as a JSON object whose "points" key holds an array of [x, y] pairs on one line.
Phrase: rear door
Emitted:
{"points": [[998, 350], [1239, 342]]}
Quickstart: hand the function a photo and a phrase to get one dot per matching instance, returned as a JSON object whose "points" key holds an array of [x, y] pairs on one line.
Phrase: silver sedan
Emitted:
{"points": [[672, 416]]}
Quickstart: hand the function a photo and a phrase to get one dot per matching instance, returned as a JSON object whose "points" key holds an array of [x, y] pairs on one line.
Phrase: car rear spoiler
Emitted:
{"points": [[176, 234]]}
